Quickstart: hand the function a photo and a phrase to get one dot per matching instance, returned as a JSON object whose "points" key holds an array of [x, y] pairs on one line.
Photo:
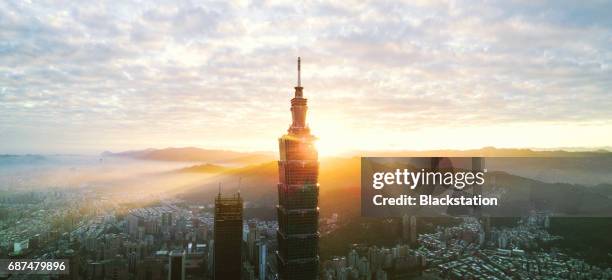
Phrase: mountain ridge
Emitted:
{"points": [[193, 154], [210, 155]]}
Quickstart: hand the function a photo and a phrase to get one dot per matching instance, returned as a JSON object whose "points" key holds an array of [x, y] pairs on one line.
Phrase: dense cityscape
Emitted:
{"points": [[104, 240]]}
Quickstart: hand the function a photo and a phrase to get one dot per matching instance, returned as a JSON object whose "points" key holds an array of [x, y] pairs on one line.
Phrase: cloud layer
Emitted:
{"points": [[88, 76]]}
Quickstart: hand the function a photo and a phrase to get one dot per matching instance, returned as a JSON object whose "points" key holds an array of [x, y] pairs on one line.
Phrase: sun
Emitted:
{"points": [[329, 147], [324, 148], [332, 139]]}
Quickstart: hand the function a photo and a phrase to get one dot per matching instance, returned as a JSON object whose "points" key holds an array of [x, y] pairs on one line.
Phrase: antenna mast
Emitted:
{"points": [[299, 73]]}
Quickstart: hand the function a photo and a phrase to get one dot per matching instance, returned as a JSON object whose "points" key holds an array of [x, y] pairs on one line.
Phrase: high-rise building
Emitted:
{"points": [[413, 230], [211, 257], [406, 227], [353, 258], [166, 221], [486, 225], [134, 222], [298, 195], [262, 254], [176, 266], [228, 237], [252, 238], [73, 262], [150, 269]]}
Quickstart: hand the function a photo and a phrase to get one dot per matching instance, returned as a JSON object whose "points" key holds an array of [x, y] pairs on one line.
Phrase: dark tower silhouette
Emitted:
{"points": [[176, 266], [298, 195], [228, 237]]}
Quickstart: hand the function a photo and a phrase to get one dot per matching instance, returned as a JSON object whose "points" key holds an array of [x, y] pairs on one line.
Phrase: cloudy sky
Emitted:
{"points": [[83, 77]]}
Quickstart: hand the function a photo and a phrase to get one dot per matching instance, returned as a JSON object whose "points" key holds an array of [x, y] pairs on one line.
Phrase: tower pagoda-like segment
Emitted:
{"points": [[298, 192]]}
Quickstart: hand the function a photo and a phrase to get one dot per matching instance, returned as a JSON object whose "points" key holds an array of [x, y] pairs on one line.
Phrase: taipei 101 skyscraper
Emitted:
{"points": [[298, 196]]}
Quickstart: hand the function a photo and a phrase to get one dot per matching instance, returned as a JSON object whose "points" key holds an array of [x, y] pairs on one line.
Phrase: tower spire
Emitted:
{"points": [[299, 73], [298, 106]]}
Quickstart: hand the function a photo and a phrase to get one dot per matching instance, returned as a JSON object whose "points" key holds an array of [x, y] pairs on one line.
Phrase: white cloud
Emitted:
{"points": [[113, 75]]}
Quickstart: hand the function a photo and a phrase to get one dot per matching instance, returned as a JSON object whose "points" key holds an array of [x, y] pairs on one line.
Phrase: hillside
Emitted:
{"points": [[339, 181], [203, 168], [191, 154], [340, 189]]}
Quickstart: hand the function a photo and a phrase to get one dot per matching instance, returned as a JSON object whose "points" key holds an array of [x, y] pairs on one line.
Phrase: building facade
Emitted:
{"points": [[298, 195], [176, 265], [228, 238]]}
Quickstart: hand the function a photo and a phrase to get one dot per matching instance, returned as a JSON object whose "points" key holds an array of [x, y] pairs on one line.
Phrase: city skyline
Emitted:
{"points": [[428, 139], [89, 77]]}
